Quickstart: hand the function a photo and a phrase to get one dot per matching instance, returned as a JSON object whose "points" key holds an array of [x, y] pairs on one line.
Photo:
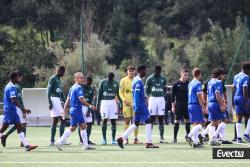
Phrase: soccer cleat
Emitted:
{"points": [[239, 140], [162, 140], [89, 147], [120, 142], [52, 144], [189, 140], [31, 147], [136, 141], [198, 145], [174, 141], [151, 145], [213, 143], [226, 142], [104, 142], [91, 143], [59, 146], [114, 142], [234, 139], [3, 140], [246, 137]]}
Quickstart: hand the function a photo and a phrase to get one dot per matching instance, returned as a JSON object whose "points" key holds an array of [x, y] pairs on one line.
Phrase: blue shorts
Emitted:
{"points": [[142, 115], [11, 117], [195, 113], [76, 117], [239, 105], [214, 112]]}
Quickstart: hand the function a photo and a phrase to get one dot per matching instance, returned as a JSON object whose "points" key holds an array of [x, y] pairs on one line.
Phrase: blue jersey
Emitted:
{"points": [[194, 88], [75, 93], [214, 86], [240, 80], [9, 92], [138, 92]]}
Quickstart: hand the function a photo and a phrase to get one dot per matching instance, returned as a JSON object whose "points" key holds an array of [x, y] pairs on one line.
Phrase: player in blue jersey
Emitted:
{"points": [[75, 100], [196, 108], [10, 111], [140, 109], [241, 100]]}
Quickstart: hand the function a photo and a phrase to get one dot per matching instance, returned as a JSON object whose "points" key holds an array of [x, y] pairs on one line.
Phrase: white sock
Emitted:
{"points": [[248, 127], [195, 138], [84, 138], [206, 131], [238, 129], [65, 135], [219, 128], [211, 132], [129, 131], [222, 134], [23, 139], [149, 133], [195, 130], [1, 135]]}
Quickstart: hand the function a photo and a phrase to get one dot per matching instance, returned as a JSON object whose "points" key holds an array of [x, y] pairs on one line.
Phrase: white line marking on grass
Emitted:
{"points": [[243, 144]]}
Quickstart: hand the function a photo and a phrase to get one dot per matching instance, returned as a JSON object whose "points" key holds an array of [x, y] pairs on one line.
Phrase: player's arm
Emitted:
{"points": [[147, 87], [99, 96], [121, 93], [15, 101], [165, 87], [173, 97], [49, 89], [245, 94], [85, 103], [66, 105], [200, 97], [137, 94]]}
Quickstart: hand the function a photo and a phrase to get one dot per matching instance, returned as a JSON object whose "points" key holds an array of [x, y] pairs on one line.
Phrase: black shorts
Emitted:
{"points": [[181, 111]]}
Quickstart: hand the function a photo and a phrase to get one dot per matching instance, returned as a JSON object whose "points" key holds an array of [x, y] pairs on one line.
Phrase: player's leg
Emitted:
{"points": [[149, 142], [127, 118], [176, 125], [113, 116], [161, 112], [113, 130], [84, 135], [2, 130], [104, 109], [65, 135], [53, 130], [239, 127], [247, 131], [104, 131], [127, 121]]}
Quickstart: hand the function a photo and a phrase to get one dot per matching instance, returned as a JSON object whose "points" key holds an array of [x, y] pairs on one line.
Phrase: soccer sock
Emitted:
{"points": [[129, 131], [220, 127], [222, 133], [104, 130], [161, 129], [136, 133], [23, 139], [65, 135], [195, 130], [126, 127], [12, 129], [211, 132], [187, 127], [195, 138], [235, 132], [89, 128], [61, 129], [53, 133], [248, 127], [176, 128], [24, 131], [149, 133], [79, 134], [113, 129], [238, 130], [206, 131], [84, 137]]}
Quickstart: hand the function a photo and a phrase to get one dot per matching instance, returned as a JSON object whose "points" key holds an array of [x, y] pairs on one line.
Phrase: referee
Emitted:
{"points": [[180, 102]]}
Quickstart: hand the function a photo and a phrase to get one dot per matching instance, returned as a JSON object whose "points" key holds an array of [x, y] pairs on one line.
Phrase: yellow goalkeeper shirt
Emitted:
{"points": [[125, 89]]}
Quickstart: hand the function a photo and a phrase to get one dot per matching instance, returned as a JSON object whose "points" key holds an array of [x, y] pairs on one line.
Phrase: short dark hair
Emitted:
{"points": [[60, 68], [157, 68], [216, 72], [111, 76], [13, 75], [222, 71], [196, 72], [246, 65], [19, 73], [130, 67], [141, 67], [89, 79], [184, 70]]}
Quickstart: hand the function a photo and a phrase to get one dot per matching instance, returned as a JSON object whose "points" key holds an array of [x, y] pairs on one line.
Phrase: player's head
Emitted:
{"points": [[79, 78], [111, 76], [216, 73], [13, 76], [246, 67], [131, 71], [60, 71], [223, 74], [184, 74], [20, 76], [89, 81], [157, 70], [197, 73], [142, 70]]}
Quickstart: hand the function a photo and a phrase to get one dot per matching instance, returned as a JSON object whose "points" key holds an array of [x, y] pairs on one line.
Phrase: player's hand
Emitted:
{"points": [[173, 109], [93, 107], [28, 111], [50, 106], [127, 103], [223, 108]]}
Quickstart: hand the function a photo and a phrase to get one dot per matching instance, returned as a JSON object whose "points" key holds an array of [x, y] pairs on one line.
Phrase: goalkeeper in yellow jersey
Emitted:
{"points": [[125, 93]]}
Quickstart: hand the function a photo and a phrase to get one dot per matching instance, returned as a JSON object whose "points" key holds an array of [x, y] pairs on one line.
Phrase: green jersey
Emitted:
{"points": [[107, 90], [155, 86], [89, 93], [19, 95], [55, 88]]}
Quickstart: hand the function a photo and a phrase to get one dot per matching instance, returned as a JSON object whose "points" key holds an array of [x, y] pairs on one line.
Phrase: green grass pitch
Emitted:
{"points": [[177, 155]]}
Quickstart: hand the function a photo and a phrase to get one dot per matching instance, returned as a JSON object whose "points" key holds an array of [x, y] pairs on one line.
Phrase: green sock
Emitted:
{"points": [[113, 129], [12, 129], [53, 133], [79, 133], [61, 129], [161, 129], [89, 128], [104, 129]]}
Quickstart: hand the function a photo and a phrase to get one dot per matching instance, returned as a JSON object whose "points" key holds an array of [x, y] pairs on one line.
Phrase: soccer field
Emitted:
{"points": [[180, 154]]}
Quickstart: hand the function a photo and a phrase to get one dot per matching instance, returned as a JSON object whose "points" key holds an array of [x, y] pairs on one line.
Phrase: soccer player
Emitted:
{"points": [[56, 100], [87, 114], [10, 112], [180, 102], [107, 105], [195, 109], [21, 115], [155, 90], [240, 100], [140, 109], [125, 93], [75, 100]]}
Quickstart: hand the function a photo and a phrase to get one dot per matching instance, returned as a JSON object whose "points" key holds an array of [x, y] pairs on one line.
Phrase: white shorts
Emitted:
{"points": [[109, 109], [86, 118], [20, 114], [57, 109], [156, 105]]}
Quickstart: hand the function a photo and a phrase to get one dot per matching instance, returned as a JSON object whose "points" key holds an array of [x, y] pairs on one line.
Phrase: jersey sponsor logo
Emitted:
{"points": [[154, 89], [108, 94]]}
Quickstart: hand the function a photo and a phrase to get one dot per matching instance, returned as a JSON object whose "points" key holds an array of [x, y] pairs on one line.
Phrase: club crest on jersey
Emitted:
{"points": [[58, 90]]}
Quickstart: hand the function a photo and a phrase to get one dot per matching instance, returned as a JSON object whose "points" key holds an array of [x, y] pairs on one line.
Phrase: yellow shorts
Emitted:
{"points": [[127, 111]]}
